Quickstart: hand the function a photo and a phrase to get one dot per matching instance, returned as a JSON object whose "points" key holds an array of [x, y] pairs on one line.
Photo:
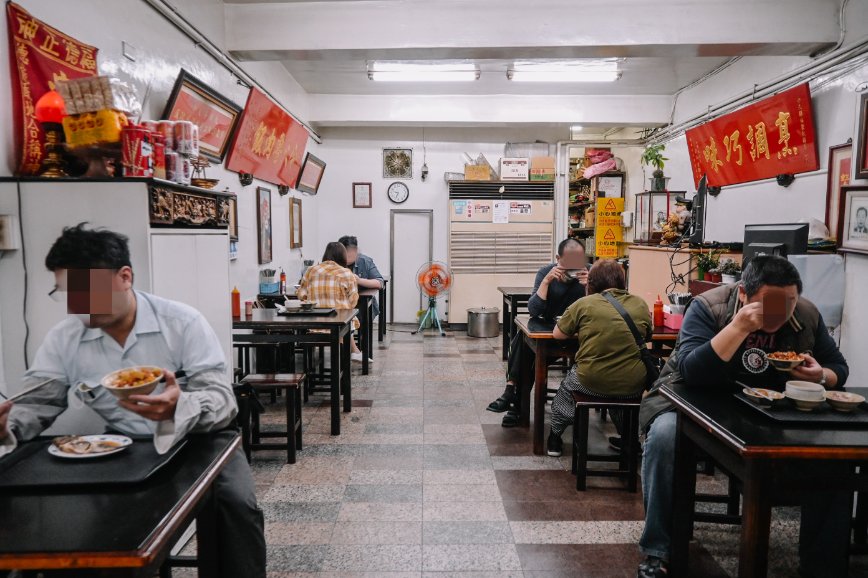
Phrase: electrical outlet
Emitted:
{"points": [[8, 233]]}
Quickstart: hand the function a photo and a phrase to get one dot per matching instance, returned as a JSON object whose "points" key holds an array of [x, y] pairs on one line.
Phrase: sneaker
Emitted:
{"points": [[653, 567], [555, 445], [357, 356]]}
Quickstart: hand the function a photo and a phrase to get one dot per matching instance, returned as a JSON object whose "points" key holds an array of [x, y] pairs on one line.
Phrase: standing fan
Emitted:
{"points": [[434, 280]]}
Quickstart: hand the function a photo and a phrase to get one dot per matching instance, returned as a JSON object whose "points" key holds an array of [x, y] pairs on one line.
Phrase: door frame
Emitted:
{"points": [[392, 213]]}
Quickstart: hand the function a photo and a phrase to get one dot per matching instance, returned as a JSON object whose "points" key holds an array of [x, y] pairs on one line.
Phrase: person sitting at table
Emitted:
{"points": [[725, 336], [608, 363], [112, 326], [331, 284], [555, 289], [364, 268]]}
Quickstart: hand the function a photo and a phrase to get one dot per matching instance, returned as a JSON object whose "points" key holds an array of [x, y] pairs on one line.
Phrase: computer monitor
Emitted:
{"points": [[778, 239]]}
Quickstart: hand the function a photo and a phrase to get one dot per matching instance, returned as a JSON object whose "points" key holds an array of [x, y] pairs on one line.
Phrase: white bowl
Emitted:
{"points": [[806, 390], [805, 404], [844, 401], [771, 398], [108, 382]]}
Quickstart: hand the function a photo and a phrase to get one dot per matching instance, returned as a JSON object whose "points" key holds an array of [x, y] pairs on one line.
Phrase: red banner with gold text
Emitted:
{"points": [[269, 144], [771, 137], [40, 56]]}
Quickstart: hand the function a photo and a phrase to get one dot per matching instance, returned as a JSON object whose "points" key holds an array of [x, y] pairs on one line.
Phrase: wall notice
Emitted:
{"points": [[609, 234], [501, 212]]}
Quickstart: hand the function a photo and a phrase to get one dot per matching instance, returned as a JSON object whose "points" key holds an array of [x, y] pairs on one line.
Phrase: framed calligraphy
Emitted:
{"points": [[215, 115], [269, 143], [263, 224], [840, 159], [311, 175], [853, 227], [362, 197], [295, 223], [862, 155]]}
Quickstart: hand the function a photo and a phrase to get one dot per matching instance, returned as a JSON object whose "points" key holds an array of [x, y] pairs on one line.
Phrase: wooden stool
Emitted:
{"points": [[629, 457], [292, 383]]}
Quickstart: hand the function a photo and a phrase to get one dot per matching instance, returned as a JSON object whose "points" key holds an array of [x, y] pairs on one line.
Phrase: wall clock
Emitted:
{"points": [[397, 163], [398, 192]]}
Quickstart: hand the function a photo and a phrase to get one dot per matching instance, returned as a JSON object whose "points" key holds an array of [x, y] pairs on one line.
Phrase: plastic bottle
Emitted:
{"points": [[282, 281], [658, 312], [236, 302]]}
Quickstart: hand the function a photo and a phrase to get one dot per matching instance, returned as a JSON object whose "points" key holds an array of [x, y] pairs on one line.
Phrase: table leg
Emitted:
{"points": [[756, 521], [364, 331], [525, 381], [345, 372], [381, 325], [206, 536], [371, 332], [336, 359], [507, 318], [684, 497], [540, 387]]}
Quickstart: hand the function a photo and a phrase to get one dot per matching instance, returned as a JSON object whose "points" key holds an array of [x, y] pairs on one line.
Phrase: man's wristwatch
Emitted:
{"points": [[823, 379]]}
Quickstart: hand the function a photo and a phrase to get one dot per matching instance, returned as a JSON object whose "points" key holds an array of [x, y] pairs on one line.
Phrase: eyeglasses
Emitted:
{"points": [[57, 294]]}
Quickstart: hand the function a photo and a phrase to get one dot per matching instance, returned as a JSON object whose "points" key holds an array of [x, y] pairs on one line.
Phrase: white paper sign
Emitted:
{"points": [[501, 212]]}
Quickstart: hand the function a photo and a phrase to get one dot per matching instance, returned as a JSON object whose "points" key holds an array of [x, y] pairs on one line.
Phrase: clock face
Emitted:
{"points": [[398, 192]]}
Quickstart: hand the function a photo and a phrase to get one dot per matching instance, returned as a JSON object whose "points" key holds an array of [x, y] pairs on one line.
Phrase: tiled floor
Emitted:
{"points": [[423, 481]]}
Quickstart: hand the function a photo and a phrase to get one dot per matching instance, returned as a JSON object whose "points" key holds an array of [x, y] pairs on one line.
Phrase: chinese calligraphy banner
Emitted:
{"points": [[42, 55], [269, 144], [772, 137], [609, 233]]}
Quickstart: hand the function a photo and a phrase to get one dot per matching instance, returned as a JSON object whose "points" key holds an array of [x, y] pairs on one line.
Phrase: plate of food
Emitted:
{"points": [[139, 380], [785, 360], [86, 447]]}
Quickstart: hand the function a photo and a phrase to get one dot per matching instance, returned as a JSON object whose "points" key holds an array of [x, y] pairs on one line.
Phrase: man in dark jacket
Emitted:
{"points": [[726, 336], [555, 289]]}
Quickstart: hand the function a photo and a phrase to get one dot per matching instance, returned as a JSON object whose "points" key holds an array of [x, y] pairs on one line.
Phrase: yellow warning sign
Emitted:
{"points": [[609, 232]]}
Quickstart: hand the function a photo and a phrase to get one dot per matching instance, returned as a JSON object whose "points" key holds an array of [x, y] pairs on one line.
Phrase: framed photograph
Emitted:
{"points": [[840, 161], [311, 175], [862, 151], [263, 224], [295, 223], [216, 115], [610, 186], [397, 163], [233, 219], [362, 196], [853, 226]]}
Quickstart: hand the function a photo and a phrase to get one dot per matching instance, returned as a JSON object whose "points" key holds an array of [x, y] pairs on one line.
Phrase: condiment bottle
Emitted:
{"points": [[236, 302], [282, 281], [658, 312]]}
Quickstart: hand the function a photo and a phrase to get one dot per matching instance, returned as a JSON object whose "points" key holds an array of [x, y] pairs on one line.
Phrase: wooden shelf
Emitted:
{"points": [[582, 229]]}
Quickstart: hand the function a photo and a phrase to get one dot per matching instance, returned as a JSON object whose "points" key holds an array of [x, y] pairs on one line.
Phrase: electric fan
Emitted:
{"points": [[434, 280]]}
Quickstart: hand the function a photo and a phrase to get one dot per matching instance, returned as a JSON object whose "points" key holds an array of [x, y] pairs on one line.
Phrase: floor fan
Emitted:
{"points": [[434, 280]]}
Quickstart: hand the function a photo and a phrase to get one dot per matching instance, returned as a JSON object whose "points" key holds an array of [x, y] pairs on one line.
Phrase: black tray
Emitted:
{"points": [[787, 413], [310, 312], [31, 466]]}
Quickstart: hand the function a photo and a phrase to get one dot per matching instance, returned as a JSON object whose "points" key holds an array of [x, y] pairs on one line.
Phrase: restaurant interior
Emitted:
{"points": [[451, 288]]}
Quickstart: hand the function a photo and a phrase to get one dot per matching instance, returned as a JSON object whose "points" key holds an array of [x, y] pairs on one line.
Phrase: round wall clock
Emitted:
{"points": [[398, 192]]}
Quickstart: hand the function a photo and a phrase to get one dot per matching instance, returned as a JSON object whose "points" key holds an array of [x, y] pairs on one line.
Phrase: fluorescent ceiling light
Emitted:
{"points": [[422, 72], [565, 71]]}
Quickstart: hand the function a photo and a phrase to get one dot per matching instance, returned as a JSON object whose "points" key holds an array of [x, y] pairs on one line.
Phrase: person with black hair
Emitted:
{"points": [[363, 267], [556, 287], [113, 326], [726, 336]]}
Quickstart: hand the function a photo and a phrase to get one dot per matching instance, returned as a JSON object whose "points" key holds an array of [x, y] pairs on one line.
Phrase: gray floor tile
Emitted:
{"points": [[487, 557], [466, 533], [374, 558], [390, 493]]}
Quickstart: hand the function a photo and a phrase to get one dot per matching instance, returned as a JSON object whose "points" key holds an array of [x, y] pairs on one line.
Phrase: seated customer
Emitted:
{"points": [[608, 362], [331, 284], [554, 290], [363, 267], [725, 336]]}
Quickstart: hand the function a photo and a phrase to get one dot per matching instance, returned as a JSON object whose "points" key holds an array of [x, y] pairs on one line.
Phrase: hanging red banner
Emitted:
{"points": [[269, 143], [771, 137], [40, 56]]}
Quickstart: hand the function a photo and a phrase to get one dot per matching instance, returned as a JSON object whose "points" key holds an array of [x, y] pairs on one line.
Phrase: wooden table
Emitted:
{"points": [[539, 340], [513, 299], [754, 449], [125, 530], [274, 328]]}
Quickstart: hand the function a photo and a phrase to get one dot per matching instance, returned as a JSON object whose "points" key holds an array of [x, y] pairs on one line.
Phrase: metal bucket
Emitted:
{"points": [[483, 322]]}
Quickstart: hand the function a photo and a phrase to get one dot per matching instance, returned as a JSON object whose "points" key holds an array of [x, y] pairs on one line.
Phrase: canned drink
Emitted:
{"points": [[150, 126], [173, 168], [167, 129], [184, 137], [159, 156], [136, 157], [248, 308], [195, 148], [186, 171]]}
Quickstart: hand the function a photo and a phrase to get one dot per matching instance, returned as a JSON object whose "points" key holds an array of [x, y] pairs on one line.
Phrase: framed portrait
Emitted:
{"points": [[362, 196], [310, 175], [263, 224], [853, 224], [216, 116], [862, 150], [295, 223], [233, 219], [840, 161], [397, 163]]}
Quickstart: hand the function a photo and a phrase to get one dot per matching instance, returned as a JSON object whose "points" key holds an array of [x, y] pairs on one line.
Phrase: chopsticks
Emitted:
{"points": [[755, 391], [29, 390]]}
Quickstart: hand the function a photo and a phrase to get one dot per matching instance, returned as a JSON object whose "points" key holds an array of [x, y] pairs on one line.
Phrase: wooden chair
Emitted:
{"points": [[628, 459], [291, 384]]}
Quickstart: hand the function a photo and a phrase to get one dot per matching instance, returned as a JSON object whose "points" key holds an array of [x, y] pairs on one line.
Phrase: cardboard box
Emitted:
{"points": [[476, 173], [514, 169], [542, 168]]}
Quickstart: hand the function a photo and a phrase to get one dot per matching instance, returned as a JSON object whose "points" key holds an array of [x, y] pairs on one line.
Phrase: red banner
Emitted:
{"points": [[269, 143], [40, 56], [772, 137]]}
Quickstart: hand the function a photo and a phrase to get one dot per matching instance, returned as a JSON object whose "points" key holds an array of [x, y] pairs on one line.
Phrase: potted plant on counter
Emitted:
{"points": [[653, 156], [713, 275], [706, 261], [730, 271]]}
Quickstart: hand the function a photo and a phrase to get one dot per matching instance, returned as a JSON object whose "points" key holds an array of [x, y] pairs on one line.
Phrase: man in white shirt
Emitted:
{"points": [[113, 326]]}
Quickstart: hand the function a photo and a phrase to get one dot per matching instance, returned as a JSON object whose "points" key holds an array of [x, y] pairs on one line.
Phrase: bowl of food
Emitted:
{"points": [[805, 404], [308, 305], [844, 401], [139, 380], [785, 360], [805, 390], [763, 397]]}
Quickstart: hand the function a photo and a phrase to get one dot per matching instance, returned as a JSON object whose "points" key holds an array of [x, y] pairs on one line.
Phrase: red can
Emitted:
{"points": [[195, 148], [150, 125], [136, 152], [174, 170], [186, 170], [159, 156], [184, 137], [167, 129]]}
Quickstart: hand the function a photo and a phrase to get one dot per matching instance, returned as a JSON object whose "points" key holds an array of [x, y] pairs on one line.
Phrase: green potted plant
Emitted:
{"points": [[653, 156], [706, 261], [730, 271]]}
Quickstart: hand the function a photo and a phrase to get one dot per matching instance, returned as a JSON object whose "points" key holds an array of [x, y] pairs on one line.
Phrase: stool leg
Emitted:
{"points": [[580, 424], [244, 418], [632, 444], [574, 468], [734, 502], [290, 427], [298, 424], [254, 413]]}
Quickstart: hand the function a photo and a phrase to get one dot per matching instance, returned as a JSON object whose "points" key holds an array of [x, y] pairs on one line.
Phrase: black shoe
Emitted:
{"points": [[615, 443], [554, 445], [511, 418], [501, 404], [653, 567]]}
